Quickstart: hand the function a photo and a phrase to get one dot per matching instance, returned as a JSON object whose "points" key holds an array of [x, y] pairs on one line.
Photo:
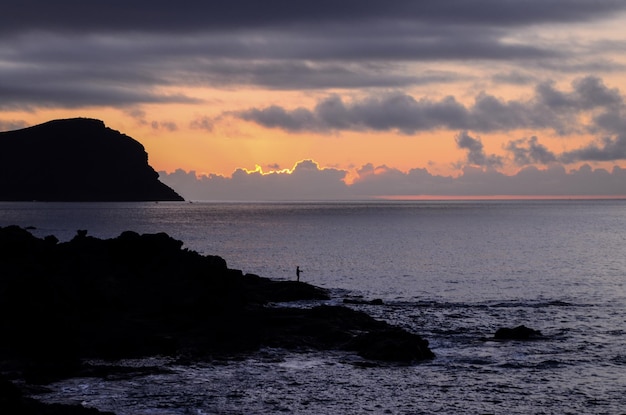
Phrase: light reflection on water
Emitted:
{"points": [[577, 368], [453, 272]]}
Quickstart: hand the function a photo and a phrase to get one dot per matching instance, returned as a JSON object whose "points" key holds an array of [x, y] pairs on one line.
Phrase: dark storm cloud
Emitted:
{"points": [[549, 108], [76, 96], [294, 75], [164, 16], [44, 70], [50, 71], [283, 44]]}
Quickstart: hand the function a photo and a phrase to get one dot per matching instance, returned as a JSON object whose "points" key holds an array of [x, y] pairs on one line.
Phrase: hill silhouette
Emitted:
{"points": [[77, 159]]}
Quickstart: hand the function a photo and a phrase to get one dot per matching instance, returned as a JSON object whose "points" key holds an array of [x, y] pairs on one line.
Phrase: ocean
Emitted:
{"points": [[451, 271]]}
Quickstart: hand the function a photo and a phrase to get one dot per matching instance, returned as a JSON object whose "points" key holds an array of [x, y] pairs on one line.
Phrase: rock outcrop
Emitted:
{"points": [[76, 160], [517, 333], [140, 295]]}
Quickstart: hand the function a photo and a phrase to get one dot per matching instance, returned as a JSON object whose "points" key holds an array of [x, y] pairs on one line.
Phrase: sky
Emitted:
{"points": [[352, 99]]}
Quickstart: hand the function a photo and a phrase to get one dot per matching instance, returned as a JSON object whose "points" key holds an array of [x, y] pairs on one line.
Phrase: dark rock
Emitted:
{"points": [[142, 295], [517, 333], [9, 393], [321, 327], [391, 344], [51, 239], [76, 160], [336, 327], [281, 291]]}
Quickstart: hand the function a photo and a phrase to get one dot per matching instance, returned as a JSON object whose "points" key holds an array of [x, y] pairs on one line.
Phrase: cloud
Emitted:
{"points": [[299, 119], [141, 117], [384, 181], [9, 125], [69, 54], [514, 77], [150, 16], [613, 121], [60, 71], [607, 149], [165, 125], [529, 151], [396, 111], [292, 73], [202, 123], [308, 181], [549, 108], [530, 181], [588, 93], [49, 94], [475, 153], [305, 181]]}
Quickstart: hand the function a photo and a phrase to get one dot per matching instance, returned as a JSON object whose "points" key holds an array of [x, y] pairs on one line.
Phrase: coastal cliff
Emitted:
{"points": [[77, 159]]}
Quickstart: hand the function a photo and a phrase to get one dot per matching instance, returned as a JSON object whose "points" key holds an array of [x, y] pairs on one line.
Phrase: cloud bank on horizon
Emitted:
{"points": [[307, 181], [506, 98]]}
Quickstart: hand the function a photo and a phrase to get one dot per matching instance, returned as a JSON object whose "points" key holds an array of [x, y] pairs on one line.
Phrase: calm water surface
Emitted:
{"points": [[451, 271]]}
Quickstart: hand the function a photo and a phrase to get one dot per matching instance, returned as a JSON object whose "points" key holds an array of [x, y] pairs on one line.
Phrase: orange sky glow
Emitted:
{"points": [[545, 97]]}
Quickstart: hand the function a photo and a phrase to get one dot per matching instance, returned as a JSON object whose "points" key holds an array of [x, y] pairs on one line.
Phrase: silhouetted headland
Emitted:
{"points": [[144, 295], [77, 159]]}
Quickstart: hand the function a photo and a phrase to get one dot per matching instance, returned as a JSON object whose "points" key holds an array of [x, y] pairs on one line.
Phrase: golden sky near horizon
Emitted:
{"points": [[443, 87]]}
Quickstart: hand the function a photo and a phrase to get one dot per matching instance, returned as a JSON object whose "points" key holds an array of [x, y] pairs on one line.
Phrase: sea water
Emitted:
{"points": [[453, 272]]}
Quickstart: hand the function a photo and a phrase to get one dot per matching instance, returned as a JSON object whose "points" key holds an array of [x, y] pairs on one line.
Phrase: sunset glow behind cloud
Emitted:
{"points": [[336, 100]]}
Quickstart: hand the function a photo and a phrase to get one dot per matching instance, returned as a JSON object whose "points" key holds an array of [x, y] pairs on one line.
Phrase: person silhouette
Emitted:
{"points": [[298, 271]]}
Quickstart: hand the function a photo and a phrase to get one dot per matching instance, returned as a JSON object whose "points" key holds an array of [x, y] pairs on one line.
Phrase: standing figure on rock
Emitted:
{"points": [[298, 271]]}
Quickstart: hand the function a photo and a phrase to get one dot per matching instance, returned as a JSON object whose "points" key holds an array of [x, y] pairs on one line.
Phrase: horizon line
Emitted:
{"points": [[499, 197]]}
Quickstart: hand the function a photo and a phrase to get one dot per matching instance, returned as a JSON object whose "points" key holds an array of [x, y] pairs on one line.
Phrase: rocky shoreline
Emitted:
{"points": [[145, 295]]}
